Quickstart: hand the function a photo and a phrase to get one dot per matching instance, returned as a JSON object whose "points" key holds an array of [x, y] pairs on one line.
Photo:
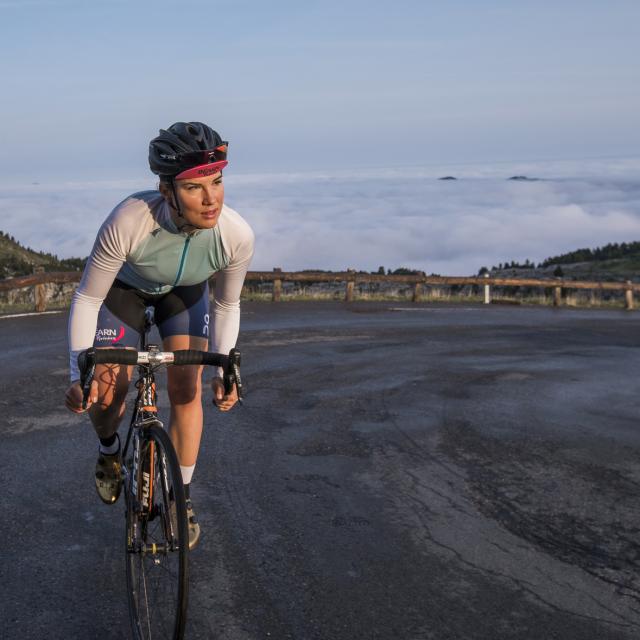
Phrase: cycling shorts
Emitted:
{"points": [[181, 311]]}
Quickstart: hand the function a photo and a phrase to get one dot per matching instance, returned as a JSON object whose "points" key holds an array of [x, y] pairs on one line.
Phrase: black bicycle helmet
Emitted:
{"points": [[184, 146]]}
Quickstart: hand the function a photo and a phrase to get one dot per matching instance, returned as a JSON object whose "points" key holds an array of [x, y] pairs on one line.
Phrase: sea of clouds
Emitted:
{"points": [[390, 217]]}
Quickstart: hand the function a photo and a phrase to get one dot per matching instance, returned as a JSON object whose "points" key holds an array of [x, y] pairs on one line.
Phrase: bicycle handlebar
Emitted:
{"points": [[89, 358], [130, 357]]}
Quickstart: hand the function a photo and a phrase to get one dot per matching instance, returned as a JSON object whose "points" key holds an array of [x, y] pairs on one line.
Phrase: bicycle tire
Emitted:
{"points": [[157, 576]]}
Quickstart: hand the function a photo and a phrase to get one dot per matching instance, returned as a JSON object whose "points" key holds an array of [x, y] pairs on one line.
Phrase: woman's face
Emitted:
{"points": [[200, 200]]}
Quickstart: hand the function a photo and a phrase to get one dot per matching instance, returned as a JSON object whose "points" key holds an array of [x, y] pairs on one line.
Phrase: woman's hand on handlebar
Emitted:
{"points": [[73, 397], [222, 401]]}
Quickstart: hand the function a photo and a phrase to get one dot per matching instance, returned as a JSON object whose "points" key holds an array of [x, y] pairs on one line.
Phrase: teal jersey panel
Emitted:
{"points": [[166, 258]]}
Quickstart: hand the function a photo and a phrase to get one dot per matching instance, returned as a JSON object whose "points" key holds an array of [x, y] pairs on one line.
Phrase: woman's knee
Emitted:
{"points": [[113, 384], [183, 387]]}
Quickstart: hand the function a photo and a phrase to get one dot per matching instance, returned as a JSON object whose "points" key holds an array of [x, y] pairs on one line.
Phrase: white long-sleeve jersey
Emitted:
{"points": [[140, 245]]}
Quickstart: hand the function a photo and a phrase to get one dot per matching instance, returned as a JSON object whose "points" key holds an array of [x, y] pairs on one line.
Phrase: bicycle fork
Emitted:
{"points": [[142, 487]]}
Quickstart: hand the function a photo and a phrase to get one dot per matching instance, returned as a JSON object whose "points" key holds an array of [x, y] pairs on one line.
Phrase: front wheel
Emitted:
{"points": [[157, 539]]}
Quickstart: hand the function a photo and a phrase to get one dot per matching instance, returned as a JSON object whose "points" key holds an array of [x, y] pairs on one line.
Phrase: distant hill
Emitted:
{"points": [[16, 260], [610, 263], [613, 251]]}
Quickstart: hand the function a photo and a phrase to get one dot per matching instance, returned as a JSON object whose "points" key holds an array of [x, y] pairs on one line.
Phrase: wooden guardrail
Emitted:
{"points": [[350, 278]]}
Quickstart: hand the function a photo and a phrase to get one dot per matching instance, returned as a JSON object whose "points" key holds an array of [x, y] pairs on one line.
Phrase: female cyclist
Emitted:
{"points": [[159, 248]]}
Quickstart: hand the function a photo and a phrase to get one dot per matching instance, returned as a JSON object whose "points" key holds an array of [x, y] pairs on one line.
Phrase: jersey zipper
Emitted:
{"points": [[183, 259]]}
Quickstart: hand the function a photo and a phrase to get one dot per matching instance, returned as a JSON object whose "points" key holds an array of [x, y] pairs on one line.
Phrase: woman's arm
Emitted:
{"points": [[115, 239], [238, 241]]}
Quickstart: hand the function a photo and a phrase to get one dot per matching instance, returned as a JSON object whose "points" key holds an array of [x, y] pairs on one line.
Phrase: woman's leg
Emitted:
{"points": [[121, 315], [113, 384], [184, 385]]}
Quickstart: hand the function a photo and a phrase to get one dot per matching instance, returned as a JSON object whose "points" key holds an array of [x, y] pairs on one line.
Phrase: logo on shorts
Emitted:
{"points": [[205, 328], [110, 335]]}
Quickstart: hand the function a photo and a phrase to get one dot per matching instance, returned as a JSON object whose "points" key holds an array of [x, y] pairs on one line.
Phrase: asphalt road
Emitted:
{"points": [[398, 472]]}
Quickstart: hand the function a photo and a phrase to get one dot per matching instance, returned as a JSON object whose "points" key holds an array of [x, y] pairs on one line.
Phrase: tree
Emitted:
{"points": [[404, 271]]}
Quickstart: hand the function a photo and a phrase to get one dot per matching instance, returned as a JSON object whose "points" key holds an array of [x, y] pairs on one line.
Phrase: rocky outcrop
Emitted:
{"points": [[56, 295]]}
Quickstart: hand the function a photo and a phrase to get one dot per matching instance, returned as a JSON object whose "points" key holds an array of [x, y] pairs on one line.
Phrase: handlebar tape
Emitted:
{"points": [[188, 356], [115, 356]]}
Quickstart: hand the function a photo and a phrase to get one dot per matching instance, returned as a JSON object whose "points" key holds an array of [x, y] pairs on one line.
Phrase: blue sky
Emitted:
{"points": [[340, 116], [316, 85]]}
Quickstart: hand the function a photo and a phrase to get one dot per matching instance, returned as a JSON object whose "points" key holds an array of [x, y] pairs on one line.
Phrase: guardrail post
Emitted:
{"points": [[277, 286], [487, 291], [628, 297], [417, 291], [557, 296], [40, 293], [350, 286]]}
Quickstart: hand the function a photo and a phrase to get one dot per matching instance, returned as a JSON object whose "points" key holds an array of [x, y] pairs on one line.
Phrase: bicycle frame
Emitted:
{"points": [[139, 481]]}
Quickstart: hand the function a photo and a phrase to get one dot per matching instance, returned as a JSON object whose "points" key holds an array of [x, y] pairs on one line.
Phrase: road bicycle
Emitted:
{"points": [[157, 538]]}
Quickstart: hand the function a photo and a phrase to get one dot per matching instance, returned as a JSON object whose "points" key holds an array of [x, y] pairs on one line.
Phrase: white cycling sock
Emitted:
{"points": [[112, 448], [187, 473]]}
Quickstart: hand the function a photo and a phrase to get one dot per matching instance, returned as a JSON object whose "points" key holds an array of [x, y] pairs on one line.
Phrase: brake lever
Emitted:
{"points": [[232, 375], [236, 375], [87, 366], [86, 387]]}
